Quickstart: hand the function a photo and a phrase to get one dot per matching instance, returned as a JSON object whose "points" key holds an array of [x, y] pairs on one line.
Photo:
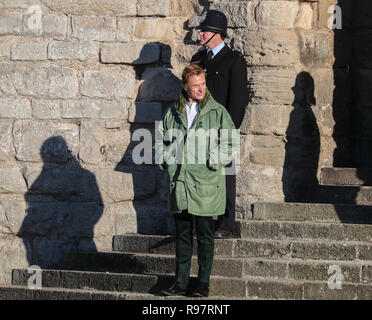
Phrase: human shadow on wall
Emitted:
{"points": [[302, 147], [159, 88], [63, 206]]}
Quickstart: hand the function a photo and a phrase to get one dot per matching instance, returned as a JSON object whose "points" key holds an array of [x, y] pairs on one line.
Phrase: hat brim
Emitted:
{"points": [[216, 30]]}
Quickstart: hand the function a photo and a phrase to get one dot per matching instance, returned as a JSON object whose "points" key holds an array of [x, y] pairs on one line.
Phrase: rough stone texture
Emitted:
{"points": [[72, 50], [280, 14]]}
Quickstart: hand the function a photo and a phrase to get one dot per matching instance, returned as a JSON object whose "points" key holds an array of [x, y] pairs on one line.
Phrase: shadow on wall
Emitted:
{"points": [[302, 144], [64, 204], [159, 88]]}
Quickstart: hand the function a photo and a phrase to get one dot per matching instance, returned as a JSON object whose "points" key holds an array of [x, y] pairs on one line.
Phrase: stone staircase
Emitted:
{"points": [[286, 251]]}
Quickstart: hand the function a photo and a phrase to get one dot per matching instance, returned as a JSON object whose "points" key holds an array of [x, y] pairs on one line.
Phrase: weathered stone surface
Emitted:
{"points": [[5, 48], [280, 14], [46, 109], [126, 7], [73, 50], [29, 51], [30, 138], [10, 24], [305, 17], [272, 86], [239, 14], [13, 255], [153, 8], [120, 186], [6, 140], [93, 139], [159, 29], [267, 150], [130, 52], [316, 48], [15, 4], [94, 28], [11, 181], [274, 48], [145, 112], [51, 26], [125, 28], [321, 291], [266, 119], [42, 81], [94, 109], [108, 84], [159, 84], [15, 108]]}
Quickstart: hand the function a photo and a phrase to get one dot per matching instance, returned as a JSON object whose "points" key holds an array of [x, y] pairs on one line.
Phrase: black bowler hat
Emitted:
{"points": [[214, 21]]}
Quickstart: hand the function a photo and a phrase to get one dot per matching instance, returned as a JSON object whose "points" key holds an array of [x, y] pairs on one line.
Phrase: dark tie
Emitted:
{"points": [[210, 55]]}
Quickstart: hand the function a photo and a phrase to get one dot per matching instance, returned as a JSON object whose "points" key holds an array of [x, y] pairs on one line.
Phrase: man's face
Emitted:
{"points": [[206, 35], [195, 87]]}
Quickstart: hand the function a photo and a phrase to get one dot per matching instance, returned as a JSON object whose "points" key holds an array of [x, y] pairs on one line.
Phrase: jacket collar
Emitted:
{"points": [[217, 57], [181, 103]]}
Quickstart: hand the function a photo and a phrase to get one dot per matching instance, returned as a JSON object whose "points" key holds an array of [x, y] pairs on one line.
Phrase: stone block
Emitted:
{"points": [[276, 14], [30, 51], [10, 24], [73, 50], [272, 86], [13, 254], [81, 7], [158, 29], [11, 181], [117, 186], [324, 251], [94, 109], [92, 28], [5, 48], [321, 291], [125, 29], [280, 289], [46, 109], [263, 48], [130, 52], [316, 48], [159, 84], [153, 8], [34, 141], [51, 26], [18, 4], [239, 14], [44, 81], [15, 108], [266, 119], [267, 150], [145, 112], [305, 17], [6, 140], [108, 84]]}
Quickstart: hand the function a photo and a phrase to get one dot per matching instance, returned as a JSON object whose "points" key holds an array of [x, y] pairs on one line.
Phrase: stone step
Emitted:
{"points": [[130, 283], [232, 266], [333, 194], [315, 212], [255, 288], [346, 176], [252, 229]]}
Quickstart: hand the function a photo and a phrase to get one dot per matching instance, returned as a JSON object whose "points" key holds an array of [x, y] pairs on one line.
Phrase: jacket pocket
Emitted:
{"points": [[207, 190]]}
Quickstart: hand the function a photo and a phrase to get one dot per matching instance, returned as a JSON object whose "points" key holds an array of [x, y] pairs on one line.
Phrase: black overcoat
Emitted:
{"points": [[226, 80]]}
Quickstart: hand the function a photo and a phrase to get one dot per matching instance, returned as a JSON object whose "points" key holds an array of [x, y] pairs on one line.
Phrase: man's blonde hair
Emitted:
{"points": [[191, 70]]}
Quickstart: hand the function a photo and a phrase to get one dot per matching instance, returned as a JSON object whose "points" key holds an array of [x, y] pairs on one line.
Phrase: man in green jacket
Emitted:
{"points": [[195, 139]]}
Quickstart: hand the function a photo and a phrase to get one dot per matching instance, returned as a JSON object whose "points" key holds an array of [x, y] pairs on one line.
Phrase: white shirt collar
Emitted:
{"points": [[217, 49]]}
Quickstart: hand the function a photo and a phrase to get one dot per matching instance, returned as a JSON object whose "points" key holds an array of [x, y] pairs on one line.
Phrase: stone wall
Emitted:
{"points": [[76, 84]]}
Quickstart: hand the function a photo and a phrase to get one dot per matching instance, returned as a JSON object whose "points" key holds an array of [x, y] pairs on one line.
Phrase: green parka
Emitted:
{"points": [[195, 158]]}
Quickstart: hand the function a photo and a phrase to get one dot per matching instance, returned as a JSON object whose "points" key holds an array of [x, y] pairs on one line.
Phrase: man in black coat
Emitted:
{"points": [[227, 81]]}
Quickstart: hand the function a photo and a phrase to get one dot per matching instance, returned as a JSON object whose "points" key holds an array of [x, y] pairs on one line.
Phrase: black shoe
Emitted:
{"points": [[223, 234], [177, 289], [201, 291]]}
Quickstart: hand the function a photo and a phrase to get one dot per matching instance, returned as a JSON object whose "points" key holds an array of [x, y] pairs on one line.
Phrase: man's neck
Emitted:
{"points": [[211, 46]]}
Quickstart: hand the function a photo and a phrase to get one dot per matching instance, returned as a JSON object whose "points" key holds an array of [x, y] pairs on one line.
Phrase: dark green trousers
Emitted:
{"points": [[204, 228]]}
